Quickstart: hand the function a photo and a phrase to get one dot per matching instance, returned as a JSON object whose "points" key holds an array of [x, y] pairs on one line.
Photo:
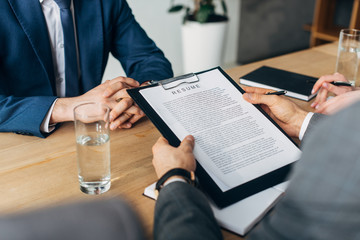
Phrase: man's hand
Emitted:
{"points": [[339, 102], [324, 86], [125, 112], [166, 157], [111, 93], [287, 114]]}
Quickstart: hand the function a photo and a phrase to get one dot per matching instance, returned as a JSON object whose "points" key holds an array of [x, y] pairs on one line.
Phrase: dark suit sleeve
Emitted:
{"points": [[24, 115], [314, 121], [138, 54], [323, 198], [183, 212]]}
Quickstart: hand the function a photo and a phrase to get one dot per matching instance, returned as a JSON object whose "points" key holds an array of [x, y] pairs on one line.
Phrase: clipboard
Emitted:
{"points": [[207, 184]]}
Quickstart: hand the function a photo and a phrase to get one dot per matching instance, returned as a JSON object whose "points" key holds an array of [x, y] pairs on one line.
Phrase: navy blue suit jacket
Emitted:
{"points": [[27, 81]]}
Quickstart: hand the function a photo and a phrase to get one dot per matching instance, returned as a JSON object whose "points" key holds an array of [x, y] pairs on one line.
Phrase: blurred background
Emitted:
{"points": [[257, 29]]}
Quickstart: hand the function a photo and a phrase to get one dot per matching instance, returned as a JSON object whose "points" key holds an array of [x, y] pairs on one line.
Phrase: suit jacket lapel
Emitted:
{"points": [[32, 21], [89, 28]]}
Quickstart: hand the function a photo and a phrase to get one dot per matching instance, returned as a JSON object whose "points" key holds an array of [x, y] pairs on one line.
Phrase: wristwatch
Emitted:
{"points": [[188, 176]]}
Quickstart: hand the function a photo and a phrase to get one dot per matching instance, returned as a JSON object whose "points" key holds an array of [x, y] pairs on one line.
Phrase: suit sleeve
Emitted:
{"points": [[314, 121], [138, 54], [24, 115], [323, 198], [183, 212]]}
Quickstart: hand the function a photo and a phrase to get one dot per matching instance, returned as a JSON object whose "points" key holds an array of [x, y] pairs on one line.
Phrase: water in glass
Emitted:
{"points": [[93, 154]]}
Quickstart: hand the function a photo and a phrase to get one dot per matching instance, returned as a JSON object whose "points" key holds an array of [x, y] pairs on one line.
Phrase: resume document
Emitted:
{"points": [[234, 142]]}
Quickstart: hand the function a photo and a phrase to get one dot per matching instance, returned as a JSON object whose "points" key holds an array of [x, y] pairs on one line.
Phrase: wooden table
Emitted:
{"points": [[38, 172]]}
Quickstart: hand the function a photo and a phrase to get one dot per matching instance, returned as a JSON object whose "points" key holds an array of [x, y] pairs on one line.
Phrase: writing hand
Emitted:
{"points": [[284, 112], [166, 157], [323, 87]]}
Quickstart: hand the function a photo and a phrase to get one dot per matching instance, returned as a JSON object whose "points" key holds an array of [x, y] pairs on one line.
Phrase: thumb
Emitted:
{"points": [[159, 144], [188, 143], [162, 141]]}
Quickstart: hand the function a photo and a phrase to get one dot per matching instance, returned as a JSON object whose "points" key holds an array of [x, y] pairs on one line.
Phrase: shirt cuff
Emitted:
{"points": [[45, 126], [174, 179], [305, 125]]}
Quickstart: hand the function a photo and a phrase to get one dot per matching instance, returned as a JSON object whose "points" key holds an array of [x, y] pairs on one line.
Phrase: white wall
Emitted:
{"points": [[164, 29]]}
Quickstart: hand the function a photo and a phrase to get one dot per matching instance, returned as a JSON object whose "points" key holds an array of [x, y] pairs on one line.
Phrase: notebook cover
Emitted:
{"points": [[281, 79]]}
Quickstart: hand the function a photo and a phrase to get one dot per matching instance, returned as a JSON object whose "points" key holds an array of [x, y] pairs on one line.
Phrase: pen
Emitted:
{"points": [[341, 84], [276, 93]]}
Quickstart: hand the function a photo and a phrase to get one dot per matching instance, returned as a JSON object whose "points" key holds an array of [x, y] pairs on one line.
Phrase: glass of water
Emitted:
{"points": [[347, 62], [93, 147]]}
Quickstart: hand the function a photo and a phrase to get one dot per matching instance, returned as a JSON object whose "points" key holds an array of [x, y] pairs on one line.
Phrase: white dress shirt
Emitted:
{"points": [[53, 21], [305, 125]]}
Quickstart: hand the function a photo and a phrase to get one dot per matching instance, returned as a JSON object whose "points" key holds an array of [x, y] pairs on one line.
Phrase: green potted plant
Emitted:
{"points": [[202, 11], [203, 33]]}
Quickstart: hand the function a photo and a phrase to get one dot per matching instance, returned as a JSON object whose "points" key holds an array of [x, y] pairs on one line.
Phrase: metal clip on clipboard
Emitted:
{"points": [[176, 81]]}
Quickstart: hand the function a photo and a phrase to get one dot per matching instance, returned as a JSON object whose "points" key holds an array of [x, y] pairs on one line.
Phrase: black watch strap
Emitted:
{"points": [[188, 176]]}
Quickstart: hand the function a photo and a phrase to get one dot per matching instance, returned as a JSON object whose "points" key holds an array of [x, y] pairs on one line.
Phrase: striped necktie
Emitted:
{"points": [[71, 70]]}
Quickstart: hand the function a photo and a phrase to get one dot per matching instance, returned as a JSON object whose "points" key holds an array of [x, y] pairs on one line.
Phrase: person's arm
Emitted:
{"points": [[46, 127], [295, 121], [141, 59], [322, 200], [339, 102], [111, 93], [181, 211], [315, 119], [24, 115], [284, 112], [290, 117]]}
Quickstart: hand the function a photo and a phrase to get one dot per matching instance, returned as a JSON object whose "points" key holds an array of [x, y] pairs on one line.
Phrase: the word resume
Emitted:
{"points": [[234, 142]]}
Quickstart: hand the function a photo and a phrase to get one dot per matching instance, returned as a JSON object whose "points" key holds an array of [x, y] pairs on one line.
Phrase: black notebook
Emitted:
{"points": [[297, 85]]}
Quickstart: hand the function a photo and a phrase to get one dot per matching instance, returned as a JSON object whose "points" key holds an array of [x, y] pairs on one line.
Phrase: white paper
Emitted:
{"points": [[234, 142], [241, 216]]}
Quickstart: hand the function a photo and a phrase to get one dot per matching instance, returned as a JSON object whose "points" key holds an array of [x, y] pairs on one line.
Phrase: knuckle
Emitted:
{"points": [[115, 111], [131, 80], [254, 96], [109, 89], [103, 101], [119, 78], [128, 101], [154, 150], [120, 85], [127, 115], [137, 111], [133, 120], [114, 116]]}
